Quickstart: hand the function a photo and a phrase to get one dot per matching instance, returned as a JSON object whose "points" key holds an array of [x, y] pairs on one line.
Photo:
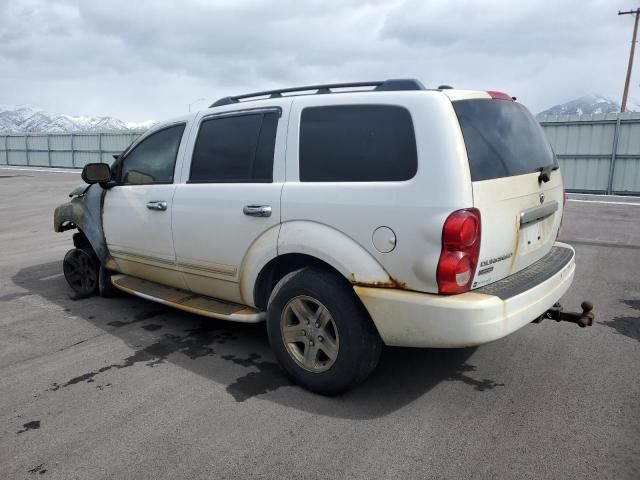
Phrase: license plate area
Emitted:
{"points": [[532, 236]]}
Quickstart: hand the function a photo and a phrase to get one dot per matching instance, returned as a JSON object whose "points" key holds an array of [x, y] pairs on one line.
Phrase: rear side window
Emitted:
{"points": [[235, 149], [502, 139], [357, 143]]}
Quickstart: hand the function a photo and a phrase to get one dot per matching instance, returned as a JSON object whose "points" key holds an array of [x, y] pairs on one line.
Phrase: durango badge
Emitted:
{"points": [[491, 261]]}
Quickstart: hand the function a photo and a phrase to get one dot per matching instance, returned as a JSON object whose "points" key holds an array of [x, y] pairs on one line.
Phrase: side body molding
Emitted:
{"points": [[84, 212]]}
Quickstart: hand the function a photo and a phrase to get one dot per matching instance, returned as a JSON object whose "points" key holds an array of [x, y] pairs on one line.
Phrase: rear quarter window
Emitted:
{"points": [[502, 139], [357, 143]]}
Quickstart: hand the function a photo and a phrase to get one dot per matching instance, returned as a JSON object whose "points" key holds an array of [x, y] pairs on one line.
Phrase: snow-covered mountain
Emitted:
{"points": [[28, 119], [589, 104]]}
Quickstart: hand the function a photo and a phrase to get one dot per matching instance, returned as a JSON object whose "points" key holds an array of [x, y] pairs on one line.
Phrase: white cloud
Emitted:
{"points": [[139, 60]]}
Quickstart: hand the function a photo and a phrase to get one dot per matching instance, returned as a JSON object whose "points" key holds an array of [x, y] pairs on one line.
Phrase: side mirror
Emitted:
{"points": [[96, 173]]}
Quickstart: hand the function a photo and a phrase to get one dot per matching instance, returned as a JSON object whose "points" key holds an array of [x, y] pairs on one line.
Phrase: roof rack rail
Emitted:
{"points": [[382, 85]]}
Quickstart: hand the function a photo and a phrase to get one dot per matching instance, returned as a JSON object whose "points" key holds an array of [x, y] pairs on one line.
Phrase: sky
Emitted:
{"points": [[141, 60]]}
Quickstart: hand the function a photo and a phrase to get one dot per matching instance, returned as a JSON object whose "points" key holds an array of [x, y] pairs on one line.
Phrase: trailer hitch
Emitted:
{"points": [[583, 319]]}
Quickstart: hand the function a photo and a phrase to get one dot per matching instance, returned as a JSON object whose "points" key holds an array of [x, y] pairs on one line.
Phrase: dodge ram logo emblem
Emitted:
{"points": [[541, 198]]}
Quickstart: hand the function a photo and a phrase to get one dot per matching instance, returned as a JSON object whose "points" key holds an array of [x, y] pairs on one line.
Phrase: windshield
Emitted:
{"points": [[502, 139]]}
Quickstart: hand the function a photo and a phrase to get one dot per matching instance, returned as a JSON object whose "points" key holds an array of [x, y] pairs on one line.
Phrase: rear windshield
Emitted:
{"points": [[502, 139]]}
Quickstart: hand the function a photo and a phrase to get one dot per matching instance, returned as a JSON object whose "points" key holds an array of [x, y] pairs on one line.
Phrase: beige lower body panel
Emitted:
{"points": [[141, 264], [183, 300], [413, 319]]}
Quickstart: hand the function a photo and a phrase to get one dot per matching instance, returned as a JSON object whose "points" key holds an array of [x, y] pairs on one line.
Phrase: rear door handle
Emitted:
{"points": [[257, 210], [157, 205]]}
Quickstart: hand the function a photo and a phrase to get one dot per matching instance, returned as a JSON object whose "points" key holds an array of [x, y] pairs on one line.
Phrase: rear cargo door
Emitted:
{"points": [[517, 185]]}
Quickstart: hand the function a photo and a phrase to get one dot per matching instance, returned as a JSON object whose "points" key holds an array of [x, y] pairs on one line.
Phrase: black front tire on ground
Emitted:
{"points": [[80, 268], [343, 348]]}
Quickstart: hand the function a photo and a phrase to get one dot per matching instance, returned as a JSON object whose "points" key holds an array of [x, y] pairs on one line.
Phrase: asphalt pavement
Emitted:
{"points": [[127, 389]]}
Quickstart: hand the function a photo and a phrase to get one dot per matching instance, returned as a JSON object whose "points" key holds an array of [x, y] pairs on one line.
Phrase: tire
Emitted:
{"points": [[80, 268], [105, 287], [332, 354]]}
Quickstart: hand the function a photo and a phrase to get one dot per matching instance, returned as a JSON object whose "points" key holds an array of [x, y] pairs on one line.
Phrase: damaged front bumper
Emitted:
{"points": [[84, 212]]}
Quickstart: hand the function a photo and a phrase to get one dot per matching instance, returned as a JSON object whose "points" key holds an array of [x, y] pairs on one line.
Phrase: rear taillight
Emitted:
{"points": [[564, 204], [460, 250]]}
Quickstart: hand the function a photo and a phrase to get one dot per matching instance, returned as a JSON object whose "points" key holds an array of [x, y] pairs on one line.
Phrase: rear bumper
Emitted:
{"points": [[413, 319]]}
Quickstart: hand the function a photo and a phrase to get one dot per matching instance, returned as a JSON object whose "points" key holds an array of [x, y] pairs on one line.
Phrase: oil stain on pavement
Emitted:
{"points": [[267, 378], [627, 326], [138, 317], [38, 469], [32, 425], [478, 385], [196, 343], [151, 327]]}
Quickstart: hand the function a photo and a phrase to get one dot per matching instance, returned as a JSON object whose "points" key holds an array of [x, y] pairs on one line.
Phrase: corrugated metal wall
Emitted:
{"points": [[597, 153], [63, 149], [584, 144]]}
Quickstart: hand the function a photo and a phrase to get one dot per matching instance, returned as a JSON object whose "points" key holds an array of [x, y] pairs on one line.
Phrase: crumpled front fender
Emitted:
{"points": [[85, 213]]}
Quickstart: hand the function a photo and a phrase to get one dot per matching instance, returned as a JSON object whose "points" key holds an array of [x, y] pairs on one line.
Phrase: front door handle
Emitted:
{"points": [[157, 205], [257, 210]]}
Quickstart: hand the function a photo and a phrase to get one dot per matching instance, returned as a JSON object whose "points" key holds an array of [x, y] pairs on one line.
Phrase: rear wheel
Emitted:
{"points": [[320, 333], [80, 268]]}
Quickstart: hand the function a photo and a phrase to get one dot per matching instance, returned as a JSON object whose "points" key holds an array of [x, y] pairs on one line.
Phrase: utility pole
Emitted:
{"points": [[633, 49]]}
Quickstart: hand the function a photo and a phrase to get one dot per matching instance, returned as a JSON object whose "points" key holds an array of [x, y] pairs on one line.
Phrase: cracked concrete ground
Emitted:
{"points": [[123, 388]]}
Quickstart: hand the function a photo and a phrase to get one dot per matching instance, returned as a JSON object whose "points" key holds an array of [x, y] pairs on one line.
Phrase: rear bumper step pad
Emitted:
{"points": [[531, 276]]}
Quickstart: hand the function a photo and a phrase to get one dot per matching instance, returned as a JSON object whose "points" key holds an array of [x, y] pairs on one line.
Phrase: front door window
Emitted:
{"points": [[153, 160]]}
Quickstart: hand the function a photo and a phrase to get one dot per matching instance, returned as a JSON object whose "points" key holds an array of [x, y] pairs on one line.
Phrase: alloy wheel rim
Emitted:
{"points": [[309, 333], [80, 272]]}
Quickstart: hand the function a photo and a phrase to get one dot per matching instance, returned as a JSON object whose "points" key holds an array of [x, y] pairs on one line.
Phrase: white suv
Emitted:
{"points": [[345, 215]]}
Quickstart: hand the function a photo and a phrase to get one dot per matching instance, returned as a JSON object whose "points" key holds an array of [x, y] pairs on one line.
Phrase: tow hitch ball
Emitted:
{"points": [[583, 319]]}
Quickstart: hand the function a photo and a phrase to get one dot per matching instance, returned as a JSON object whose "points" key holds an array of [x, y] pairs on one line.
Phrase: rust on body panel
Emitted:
{"points": [[516, 245], [390, 283]]}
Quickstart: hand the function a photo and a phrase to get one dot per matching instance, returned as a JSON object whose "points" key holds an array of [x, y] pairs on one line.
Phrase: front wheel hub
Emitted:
{"points": [[81, 271]]}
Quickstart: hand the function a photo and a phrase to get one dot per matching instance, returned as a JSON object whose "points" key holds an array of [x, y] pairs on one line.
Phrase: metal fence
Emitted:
{"points": [[70, 150], [597, 153]]}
